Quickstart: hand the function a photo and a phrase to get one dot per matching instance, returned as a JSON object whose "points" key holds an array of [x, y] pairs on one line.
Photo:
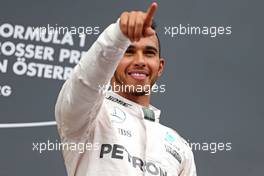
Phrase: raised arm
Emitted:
{"points": [[80, 98]]}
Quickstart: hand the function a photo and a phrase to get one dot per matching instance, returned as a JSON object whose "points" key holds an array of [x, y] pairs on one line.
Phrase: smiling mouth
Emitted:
{"points": [[138, 75]]}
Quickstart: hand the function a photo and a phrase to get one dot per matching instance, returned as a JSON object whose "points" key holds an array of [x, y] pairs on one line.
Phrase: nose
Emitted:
{"points": [[139, 60]]}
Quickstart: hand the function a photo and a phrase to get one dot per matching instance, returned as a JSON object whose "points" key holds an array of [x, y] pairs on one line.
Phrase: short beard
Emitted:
{"points": [[143, 93]]}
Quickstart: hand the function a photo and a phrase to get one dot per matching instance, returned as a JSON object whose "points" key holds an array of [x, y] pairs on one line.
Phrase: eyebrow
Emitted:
{"points": [[152, 48], [131, 47], [148, 47]]}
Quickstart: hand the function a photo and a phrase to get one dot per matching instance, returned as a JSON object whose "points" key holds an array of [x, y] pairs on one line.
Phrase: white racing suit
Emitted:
{"points": [[119, 140]]}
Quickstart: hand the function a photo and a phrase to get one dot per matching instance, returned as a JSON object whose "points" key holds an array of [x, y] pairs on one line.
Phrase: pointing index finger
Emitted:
{"points": [[150, 13]]}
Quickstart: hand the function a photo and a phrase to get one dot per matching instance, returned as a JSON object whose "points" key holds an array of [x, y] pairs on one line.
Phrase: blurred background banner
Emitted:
{"points": [[213, 78]]}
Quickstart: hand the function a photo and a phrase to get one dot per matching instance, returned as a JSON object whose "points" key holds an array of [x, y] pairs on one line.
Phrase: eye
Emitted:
{"points": [[129, 52], [150, 53]]}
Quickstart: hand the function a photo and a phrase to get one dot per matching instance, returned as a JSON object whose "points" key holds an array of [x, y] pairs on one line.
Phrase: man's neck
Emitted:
{"points": [[143, 100]]}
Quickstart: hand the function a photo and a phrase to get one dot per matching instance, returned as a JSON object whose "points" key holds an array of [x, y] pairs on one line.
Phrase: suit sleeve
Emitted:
{"points": [[189, 168], [81, 96]]}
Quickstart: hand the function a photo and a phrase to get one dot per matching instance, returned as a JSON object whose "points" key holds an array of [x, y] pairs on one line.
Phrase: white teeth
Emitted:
{"points": [[138, 74]]}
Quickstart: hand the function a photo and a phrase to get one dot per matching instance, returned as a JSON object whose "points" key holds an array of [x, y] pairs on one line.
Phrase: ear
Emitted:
{"points": [[161, 66]]}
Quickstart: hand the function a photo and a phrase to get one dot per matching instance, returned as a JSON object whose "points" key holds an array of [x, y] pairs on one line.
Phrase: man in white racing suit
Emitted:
{"points": [[120, 129]]}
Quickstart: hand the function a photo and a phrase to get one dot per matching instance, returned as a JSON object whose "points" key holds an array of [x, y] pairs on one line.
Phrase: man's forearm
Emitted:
{"points": [[81, 94]]}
